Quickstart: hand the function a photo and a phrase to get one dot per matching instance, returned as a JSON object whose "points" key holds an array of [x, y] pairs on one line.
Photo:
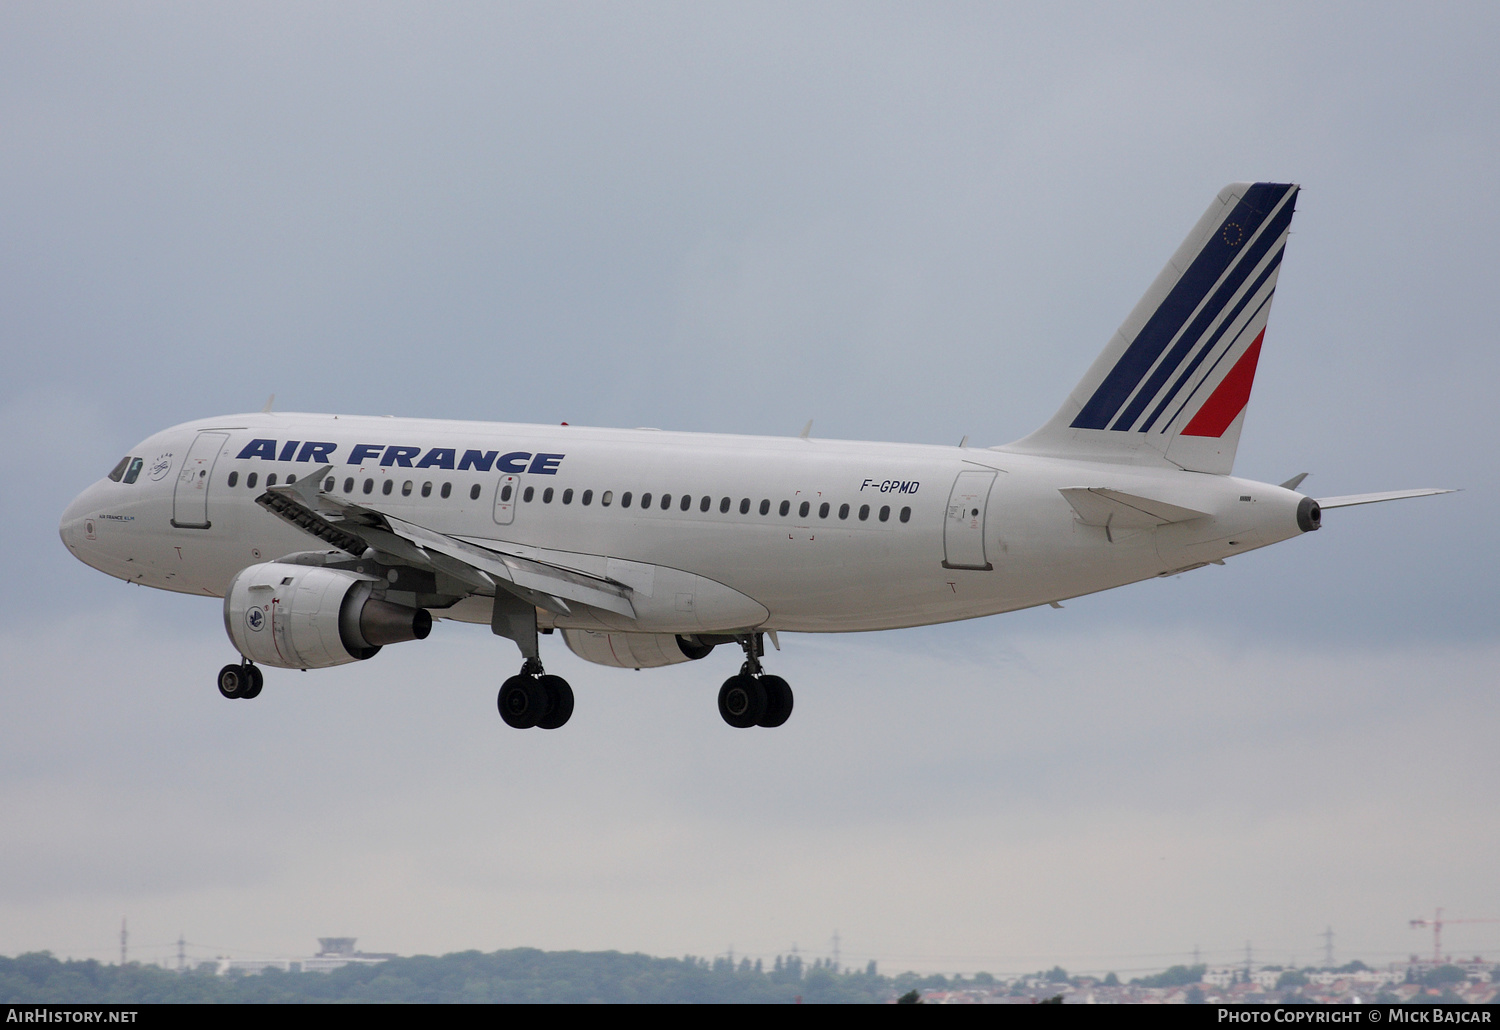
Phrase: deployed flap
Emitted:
{"points": [[545, 581], [298, 502], [482, 568], [1389, 495], [1097, 506]]}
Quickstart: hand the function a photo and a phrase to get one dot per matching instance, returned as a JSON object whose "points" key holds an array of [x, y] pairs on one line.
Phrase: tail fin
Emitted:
{"points": [[1172, 386]]}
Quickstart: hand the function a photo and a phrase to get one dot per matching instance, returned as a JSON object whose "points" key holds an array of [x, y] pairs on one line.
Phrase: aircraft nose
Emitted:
{"points": [[70, 526]]}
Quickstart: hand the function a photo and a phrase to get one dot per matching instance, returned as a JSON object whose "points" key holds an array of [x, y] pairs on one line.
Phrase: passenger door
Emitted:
{"points": [[190, 498], [963, 528]]}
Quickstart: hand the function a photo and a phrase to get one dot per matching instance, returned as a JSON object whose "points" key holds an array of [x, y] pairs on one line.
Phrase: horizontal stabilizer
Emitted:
{"points": [[1389, 495], [1097, 506]]}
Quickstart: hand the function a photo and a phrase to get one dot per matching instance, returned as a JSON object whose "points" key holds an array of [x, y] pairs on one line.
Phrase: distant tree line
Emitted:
{"points": [[522, 975]]}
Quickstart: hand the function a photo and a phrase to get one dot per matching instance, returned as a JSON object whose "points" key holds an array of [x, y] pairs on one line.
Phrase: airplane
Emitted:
{"points": [[329, 537]]}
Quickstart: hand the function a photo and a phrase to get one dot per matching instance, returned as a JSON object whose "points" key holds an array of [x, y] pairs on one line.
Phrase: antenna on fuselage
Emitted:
{"points": [[269, 401], [805, 430]]}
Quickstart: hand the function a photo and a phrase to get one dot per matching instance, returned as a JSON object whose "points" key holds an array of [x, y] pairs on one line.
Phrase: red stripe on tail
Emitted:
{"points": [[1225, 404]]}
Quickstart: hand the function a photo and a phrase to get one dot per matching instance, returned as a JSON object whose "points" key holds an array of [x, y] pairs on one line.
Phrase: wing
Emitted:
{"points": [[482, 567]]}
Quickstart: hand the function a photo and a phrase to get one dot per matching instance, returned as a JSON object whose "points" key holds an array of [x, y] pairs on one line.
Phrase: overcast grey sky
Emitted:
{"points": [[904, 222]]}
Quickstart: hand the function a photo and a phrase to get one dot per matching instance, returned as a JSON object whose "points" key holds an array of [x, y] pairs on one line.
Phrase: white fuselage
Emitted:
{"points": [[190, 520]]}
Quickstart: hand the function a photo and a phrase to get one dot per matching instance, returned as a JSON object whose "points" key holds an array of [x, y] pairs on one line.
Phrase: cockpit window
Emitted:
{"points": [[119, 470], [135, 469]]}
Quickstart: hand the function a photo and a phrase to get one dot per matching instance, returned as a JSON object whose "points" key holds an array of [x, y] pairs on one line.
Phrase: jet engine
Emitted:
{"points": [[636, 650], [302, 617]]}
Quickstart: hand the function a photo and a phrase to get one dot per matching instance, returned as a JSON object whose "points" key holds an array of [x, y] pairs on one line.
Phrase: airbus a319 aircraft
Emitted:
{"points": [[329, 536]]}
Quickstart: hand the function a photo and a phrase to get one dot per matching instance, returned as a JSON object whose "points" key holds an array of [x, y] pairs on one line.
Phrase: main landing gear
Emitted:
{"points": [[240, 681], [754, 698], [533, 698]]}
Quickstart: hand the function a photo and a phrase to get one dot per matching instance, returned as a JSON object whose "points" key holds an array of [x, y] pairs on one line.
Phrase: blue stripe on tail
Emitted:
{"points": [[1208, 348]]}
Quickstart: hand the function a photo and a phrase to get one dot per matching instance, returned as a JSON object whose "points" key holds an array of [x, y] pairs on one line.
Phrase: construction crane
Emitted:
{"points": [[1437, 922]]}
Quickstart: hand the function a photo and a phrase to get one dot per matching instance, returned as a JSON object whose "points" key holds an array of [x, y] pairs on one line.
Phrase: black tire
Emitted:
{"points": [[232, 682], [257, 681], [522, 702], [742, 701], [559, 702], [778, 701]]}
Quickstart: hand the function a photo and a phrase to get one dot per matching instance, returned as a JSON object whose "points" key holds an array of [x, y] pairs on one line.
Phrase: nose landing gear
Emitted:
{"points": [[754, 698], [240, 682], [532, 698]]}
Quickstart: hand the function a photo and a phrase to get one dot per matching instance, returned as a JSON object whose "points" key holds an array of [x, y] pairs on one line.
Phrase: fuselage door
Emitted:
{"points": [[963, 527], [190, 498], [505, 499]]}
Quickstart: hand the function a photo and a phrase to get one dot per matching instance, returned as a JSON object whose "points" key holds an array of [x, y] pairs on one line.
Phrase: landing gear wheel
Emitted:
{"points": [[742, 701], [778, 701], [559, 702], [233, 682], [522, 702], [257, 680]]}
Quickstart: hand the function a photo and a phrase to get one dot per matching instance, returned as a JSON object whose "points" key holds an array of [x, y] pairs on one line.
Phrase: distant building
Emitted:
{"points": [[334, 953]]}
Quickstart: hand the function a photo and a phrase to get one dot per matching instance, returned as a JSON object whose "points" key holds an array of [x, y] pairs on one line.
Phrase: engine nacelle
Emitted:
{"points": [[635, 650], [306, 617]]}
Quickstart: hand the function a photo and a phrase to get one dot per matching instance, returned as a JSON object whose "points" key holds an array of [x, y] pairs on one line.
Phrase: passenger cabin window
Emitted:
{"points": [[348, 484], [119, 470], [528, 494], [624, 499], [271, 479], [547, 496], [328, 484], [406, 488], [133, 473], [802, 510], [786, 506], [448, 491], [474, 492], [604, 499], [505, 492], [843, 511], [724, 506], [251, 479], [645, 501], [369, 486], [885, 513], [234, 477], [387, 487], [823, 510], [426, 489], [905, 514], [588, 498], [765, 507], [567, 497], [864, 512], [707, 501]]}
